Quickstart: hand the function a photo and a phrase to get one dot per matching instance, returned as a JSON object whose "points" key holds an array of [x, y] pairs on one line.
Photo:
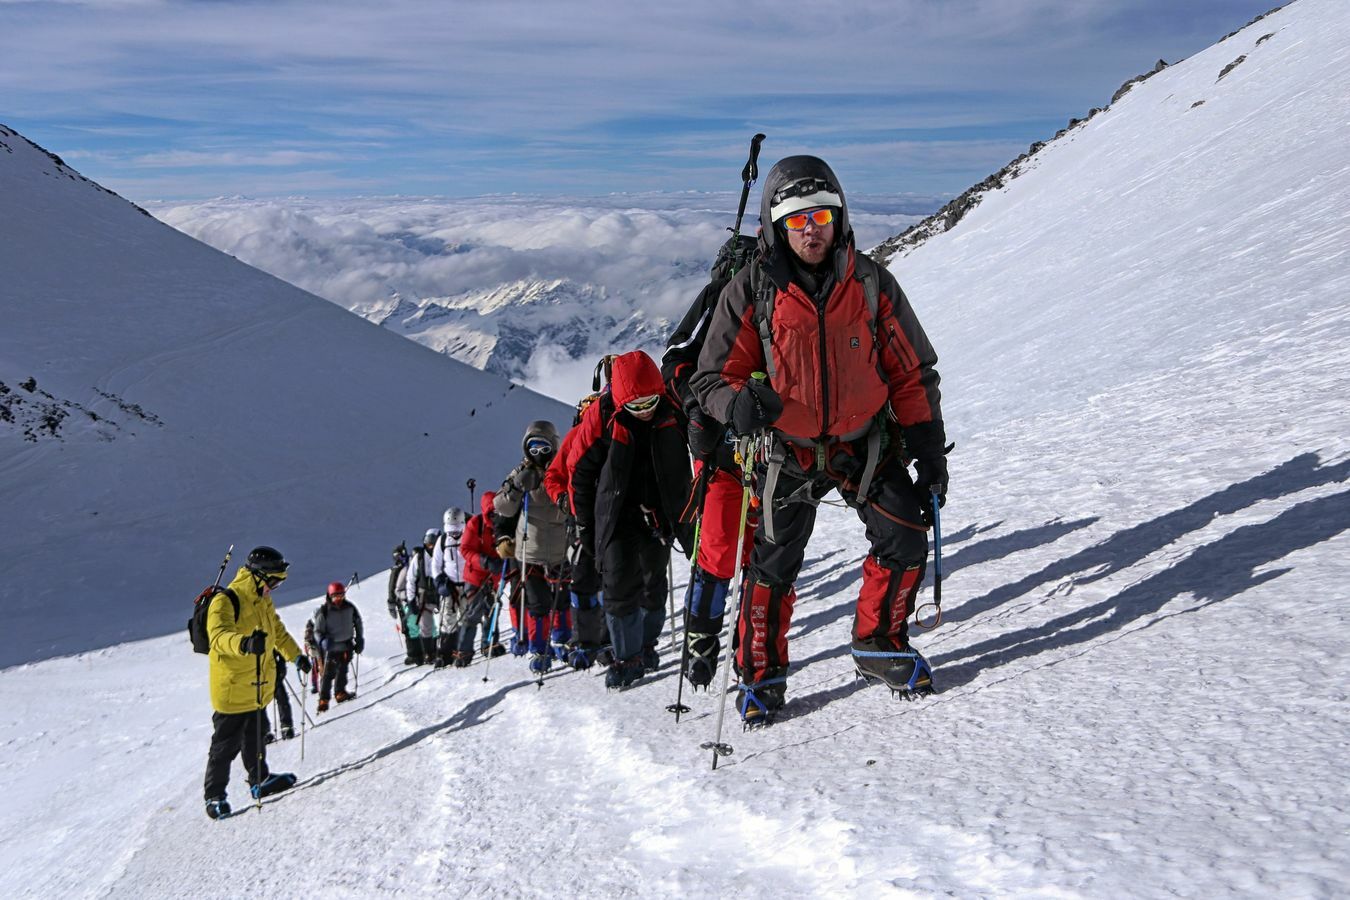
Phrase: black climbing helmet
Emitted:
{"points": [[267, 561]]}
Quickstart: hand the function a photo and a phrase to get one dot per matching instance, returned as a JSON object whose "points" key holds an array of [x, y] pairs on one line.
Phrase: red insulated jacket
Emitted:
{"points": [[558, 477], [481, 562], [604, 458], [834, 371]]}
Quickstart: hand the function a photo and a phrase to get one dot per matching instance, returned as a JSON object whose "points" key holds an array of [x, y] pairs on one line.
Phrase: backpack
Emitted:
{"points": [[425, 589], [201, 641], [686, 342], [400, 563]]}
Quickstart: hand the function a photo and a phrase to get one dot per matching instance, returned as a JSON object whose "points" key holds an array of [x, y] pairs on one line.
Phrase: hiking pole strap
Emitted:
{"points": [[747, 449]]}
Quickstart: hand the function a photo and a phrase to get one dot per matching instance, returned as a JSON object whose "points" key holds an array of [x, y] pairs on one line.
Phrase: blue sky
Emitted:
{"points": [[186, 99]]}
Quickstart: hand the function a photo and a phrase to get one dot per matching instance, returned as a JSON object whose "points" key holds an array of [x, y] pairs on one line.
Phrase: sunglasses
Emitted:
{"points": [[539, 448], [797, 221], [643, 404]]}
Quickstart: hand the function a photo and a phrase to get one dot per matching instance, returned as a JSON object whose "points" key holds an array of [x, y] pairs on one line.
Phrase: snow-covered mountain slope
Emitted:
{"points": [[533, 288], [159, 401], [1204, 218], [1141, 670]]}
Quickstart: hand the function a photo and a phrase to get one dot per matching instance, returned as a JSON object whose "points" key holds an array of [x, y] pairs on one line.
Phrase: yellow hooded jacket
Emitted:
{"points": [[233, 672]]}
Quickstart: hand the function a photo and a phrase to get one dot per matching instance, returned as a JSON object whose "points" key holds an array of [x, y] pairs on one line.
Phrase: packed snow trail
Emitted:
{"points": [[1108, 723]]}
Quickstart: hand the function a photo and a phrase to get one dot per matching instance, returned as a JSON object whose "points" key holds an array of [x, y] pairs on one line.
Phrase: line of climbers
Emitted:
{"points": [[798, 340], [799, 370]]}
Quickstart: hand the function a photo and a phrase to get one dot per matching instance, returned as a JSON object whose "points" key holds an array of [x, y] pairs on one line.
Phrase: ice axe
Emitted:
{"points": [[936, 498]]}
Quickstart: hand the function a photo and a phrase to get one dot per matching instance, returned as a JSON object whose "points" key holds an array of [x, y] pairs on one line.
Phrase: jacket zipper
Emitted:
{"points": [[824, 376]]}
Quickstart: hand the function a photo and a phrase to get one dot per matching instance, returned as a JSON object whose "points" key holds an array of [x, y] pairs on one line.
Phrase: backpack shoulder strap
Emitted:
{"points": [[607, 411], [762, 295], [865, 270], [234, 599]]}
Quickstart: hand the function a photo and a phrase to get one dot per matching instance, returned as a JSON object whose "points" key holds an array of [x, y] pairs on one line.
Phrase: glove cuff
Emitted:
{"points": [[926, 440]]}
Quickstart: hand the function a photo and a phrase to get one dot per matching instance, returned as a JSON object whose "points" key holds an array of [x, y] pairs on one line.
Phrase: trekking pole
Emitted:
{"points": [[670, 582], [525, 517], [471, 484], [356, 674], [300, 699], [520, 616], [223, 563], [746, 456], [354, 580], [749, 175], [678, 706], [258, 713], [524, 536], [492, 625], [304, 713]]}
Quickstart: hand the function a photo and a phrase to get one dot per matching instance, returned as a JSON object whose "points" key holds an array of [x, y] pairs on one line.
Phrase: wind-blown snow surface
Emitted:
{"points": [[181, 401], [1141, 671]]}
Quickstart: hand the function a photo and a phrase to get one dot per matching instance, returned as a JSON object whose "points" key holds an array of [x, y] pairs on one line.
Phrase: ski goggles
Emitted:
{"points": [[272, 579], [643, 404], [539, 447], [797, 221]]}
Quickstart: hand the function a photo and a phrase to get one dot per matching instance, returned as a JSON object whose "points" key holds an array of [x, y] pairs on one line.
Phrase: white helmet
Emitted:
{"points": [[454, 520]]}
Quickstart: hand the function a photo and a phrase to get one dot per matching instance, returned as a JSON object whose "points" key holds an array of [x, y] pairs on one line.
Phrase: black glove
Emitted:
{"points": [[529, 478], [255, 643], [705, 434], [931, 478], [565, 504], [443, 584], [359, 646], [303, 664], [756, 407]]}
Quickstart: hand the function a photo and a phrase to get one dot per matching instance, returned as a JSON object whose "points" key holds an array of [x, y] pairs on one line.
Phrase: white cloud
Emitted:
{"points": [[232, 158], [583, 272]]}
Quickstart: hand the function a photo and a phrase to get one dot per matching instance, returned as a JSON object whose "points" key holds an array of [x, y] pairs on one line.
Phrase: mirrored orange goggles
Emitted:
{"points": [[820, 217]]}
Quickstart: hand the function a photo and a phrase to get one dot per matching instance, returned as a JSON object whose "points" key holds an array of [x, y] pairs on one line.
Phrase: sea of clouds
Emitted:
{"points": [[635, 261]]}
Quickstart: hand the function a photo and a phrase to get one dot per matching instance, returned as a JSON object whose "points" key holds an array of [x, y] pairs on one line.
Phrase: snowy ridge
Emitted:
{"points": [[1143, 662], [161, 401]]}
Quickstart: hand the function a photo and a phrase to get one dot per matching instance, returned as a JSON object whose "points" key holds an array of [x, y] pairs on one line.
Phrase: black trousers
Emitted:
{"points": [[235, 732], [585, 577], [284, 718], [634, 571], [334, 668], [479, 599], [890, 514], [543, 594]]}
